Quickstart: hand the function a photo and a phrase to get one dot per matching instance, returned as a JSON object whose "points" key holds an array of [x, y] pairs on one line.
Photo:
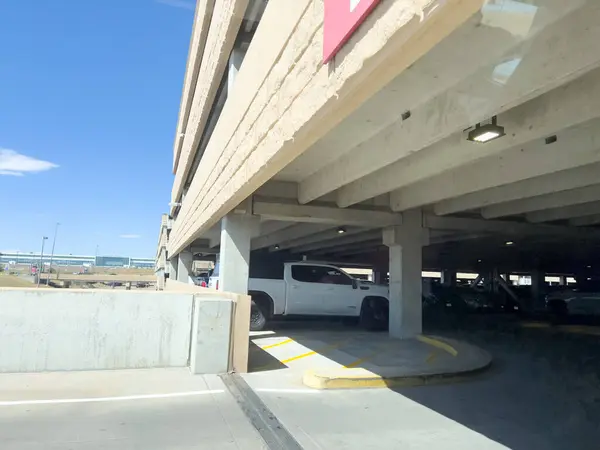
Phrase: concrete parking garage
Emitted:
{"points": [[374, 156], [369, 157]]}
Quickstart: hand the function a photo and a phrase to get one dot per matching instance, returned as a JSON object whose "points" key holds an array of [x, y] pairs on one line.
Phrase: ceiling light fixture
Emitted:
{"points": [[486, 133], [276, 247], [341, 230], [509, 243]]}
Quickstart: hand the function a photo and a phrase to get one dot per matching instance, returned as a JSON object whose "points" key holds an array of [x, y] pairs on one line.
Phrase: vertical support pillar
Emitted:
{"points": [[185, 261], [172, 266], [237, 230], [405, 244], [495, 276], [562, 280], [537, 288], [160, 279], [379, 274], [449, 277]]}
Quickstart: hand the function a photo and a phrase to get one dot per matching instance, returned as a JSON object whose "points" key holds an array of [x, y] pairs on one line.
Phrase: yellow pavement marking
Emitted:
{"points": [[287, 341], [535, 325], [439, 344], [353, 364], [576, 329], [580, 329], [311, 353]]}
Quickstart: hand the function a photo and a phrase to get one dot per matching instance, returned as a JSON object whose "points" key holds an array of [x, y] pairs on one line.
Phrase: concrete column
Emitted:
{"points": [[184, 267], [562, 280], [172, 268], [237, 230], [379, 274], [449, 277], [537, 288], [405, 244], [495, 285], [160, 279]]}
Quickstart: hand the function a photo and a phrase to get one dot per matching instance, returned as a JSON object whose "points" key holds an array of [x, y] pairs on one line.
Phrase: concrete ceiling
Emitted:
{"points": [[537, 70]]}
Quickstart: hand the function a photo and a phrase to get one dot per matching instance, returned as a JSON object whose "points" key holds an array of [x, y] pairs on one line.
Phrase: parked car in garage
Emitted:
{"points": [[581, 301], [202, 279], [465, 299], [315, 289]]}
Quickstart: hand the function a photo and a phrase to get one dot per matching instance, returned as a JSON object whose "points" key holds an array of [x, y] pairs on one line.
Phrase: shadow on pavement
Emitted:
{"points": [[261, 361], [542, 392]]}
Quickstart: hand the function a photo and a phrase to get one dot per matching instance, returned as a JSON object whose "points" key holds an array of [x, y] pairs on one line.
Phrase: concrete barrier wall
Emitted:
{"points": [[50, 330], [210, 318]]}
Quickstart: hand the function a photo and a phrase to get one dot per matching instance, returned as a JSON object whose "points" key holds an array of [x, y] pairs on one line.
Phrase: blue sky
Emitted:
{"points": [[89, 96]]}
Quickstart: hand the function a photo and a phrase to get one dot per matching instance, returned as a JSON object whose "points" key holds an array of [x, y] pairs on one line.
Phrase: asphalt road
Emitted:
{"points": [[542, 392]]}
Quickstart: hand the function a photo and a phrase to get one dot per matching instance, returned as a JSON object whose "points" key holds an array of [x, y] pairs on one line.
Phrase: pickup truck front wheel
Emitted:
{"points": [[258, 319], [374, 314]]}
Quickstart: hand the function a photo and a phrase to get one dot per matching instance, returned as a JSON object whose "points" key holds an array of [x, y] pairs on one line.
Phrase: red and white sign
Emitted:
{"points": [[342, 18]]}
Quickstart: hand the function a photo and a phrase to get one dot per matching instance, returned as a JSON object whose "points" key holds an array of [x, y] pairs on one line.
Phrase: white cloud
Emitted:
{"points": [[183, 4], [15, 164], [130, 236]]}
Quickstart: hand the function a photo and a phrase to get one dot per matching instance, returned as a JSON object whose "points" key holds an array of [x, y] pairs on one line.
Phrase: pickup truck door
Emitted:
{"points": [[319, 290]]}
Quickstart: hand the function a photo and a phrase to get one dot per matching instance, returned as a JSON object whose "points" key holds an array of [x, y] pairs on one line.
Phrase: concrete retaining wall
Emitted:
{"points": [[62, 330], [79, 330]]}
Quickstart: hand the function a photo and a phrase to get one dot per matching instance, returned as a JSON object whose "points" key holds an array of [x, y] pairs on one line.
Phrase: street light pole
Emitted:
{"points": [[53, 244], [41, 260]]}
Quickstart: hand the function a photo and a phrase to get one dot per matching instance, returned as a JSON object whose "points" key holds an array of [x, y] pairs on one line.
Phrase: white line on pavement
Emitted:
{"points": [[108, 399]]}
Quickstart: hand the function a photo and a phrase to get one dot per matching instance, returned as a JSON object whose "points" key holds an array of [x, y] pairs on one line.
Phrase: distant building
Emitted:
{"points": [[77, 260]]}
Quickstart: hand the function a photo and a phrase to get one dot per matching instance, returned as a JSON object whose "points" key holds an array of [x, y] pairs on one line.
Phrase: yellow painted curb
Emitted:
{"points": [[356, 378], [438, 344], [362, 378]]}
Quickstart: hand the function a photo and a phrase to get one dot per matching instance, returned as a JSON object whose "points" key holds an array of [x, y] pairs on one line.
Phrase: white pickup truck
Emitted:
{"points": [[315, 289]]}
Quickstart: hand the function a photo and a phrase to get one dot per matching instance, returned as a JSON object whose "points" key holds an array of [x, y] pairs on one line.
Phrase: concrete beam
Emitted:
{"points": [[356, 247], [339, 241], [585, 221], [224, 26], [455, 237], [294, 232], [326, 235], [202, 18], [278, 189], [438, 117], [550, 215], [545, 184], [324, 214], [567, 106], [272, 226], [576, 147], [505, 227], [542, 202], [361, 255]]}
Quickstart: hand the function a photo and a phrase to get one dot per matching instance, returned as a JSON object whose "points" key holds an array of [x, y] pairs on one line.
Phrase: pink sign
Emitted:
{"points": [[342, 17]]}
